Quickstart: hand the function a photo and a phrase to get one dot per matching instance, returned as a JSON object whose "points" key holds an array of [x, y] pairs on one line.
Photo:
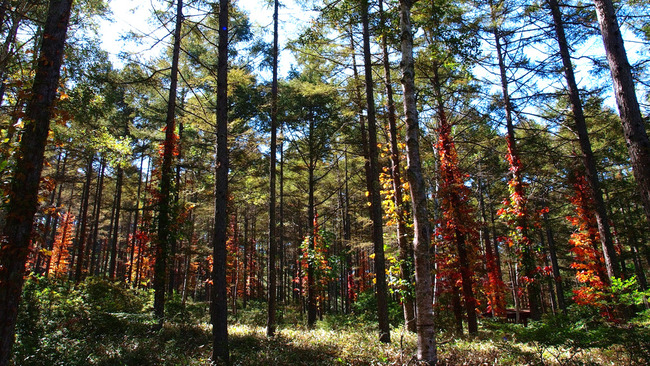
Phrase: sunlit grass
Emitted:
{"points": [[64, 330]]}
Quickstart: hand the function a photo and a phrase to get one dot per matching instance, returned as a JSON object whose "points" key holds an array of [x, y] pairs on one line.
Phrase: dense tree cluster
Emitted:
{"points": [[508, 182]]}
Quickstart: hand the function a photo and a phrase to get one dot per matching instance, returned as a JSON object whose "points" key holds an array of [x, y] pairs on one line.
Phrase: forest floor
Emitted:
{"points": [[98, 324]]}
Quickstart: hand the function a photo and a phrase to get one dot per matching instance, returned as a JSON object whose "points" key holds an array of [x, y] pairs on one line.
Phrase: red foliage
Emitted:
{"points": [[318, 258], [60, 259], [235, 263], [516, 215], [456, 234], [588, 259], [143, 258]]}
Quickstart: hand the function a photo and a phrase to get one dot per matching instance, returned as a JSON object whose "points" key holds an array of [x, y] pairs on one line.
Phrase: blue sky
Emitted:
{"points": [[131, 15]]}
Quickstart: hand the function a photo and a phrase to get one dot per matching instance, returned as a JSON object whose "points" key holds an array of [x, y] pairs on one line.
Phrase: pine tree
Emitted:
{"points": [[425, 323], [24, 187]]}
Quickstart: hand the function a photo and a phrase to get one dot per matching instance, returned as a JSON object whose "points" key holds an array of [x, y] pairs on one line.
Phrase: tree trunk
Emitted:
{"points": [[525, 245], [497, 301], [457, 309], [94, 268], [559, 288], [272, 296], [450, 176], [347, 236], [374, 190], [311, 216], [283, 252], [6, 48], [426, 344], [23, 201], [164, 204], [406, 264], [115, 227], [549, 280], [136, 219], [634, 130], [81, 245], [219, 306], [580, 128], [52, 210]]}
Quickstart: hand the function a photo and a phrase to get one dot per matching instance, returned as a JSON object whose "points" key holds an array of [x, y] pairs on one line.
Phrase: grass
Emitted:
{"points": [[69, 327]]}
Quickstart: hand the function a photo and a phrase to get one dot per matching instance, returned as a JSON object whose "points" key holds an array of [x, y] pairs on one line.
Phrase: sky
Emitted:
{"points": [[131, 15]]}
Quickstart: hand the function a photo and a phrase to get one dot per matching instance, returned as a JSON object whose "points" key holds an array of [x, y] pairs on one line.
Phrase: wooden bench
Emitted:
{"points": [[524, 315]]}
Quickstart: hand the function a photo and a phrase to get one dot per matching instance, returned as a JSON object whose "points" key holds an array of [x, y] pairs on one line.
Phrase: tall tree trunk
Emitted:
{"points": [[550, 282], [164, 204], [272, 296], [115, 227], [283, 252], [497, 301], [23, 201], [634, 130], [426, 344], [457, 309], [51, 212], [347, 235], [580, 128], [311, 216], [450, 176], [6, 48], [559, 288], [219, 307], [81, 244], [406, 265], [246, 261], [364, 137], [136, 219], [94, 267], [374, 190], [525, 245]]}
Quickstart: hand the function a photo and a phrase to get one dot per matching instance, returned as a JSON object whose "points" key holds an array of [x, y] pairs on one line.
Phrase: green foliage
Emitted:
{"points": [[64, 324], [627, 292], [186, 313], [365, 308], [111, 297]]}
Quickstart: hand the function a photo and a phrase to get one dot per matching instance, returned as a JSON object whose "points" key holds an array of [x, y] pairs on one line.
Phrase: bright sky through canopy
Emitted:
{"points": [[134, 16]]}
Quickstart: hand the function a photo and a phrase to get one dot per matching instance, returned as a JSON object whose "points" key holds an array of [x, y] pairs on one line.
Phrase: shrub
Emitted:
{"points": [[112, 297], [366, 308]]}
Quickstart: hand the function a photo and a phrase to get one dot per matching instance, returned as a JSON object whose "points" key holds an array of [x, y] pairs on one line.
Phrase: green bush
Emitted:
{"points": [[189, 313], [112, 297], [366, 308]]}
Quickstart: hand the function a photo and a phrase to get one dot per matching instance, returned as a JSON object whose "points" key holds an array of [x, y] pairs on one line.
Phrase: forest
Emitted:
{"points": [[352, 182]]}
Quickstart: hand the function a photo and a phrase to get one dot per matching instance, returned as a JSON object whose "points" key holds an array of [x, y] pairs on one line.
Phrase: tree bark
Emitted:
{"points": [[634, 130], [580, 128], [6, 48], [94, 267], [450, 175], [23, 201], [164, 204], [527, 255], [311, 216], [272, 296], [497, 300], [136, 219], [219, 306], [405, 262], [115, 227], [559, 288], [374, 190], [426, 344], [81, 247]]}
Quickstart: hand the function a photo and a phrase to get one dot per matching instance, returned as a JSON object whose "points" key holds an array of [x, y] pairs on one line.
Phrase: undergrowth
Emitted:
{"points": [[102, 323]]}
